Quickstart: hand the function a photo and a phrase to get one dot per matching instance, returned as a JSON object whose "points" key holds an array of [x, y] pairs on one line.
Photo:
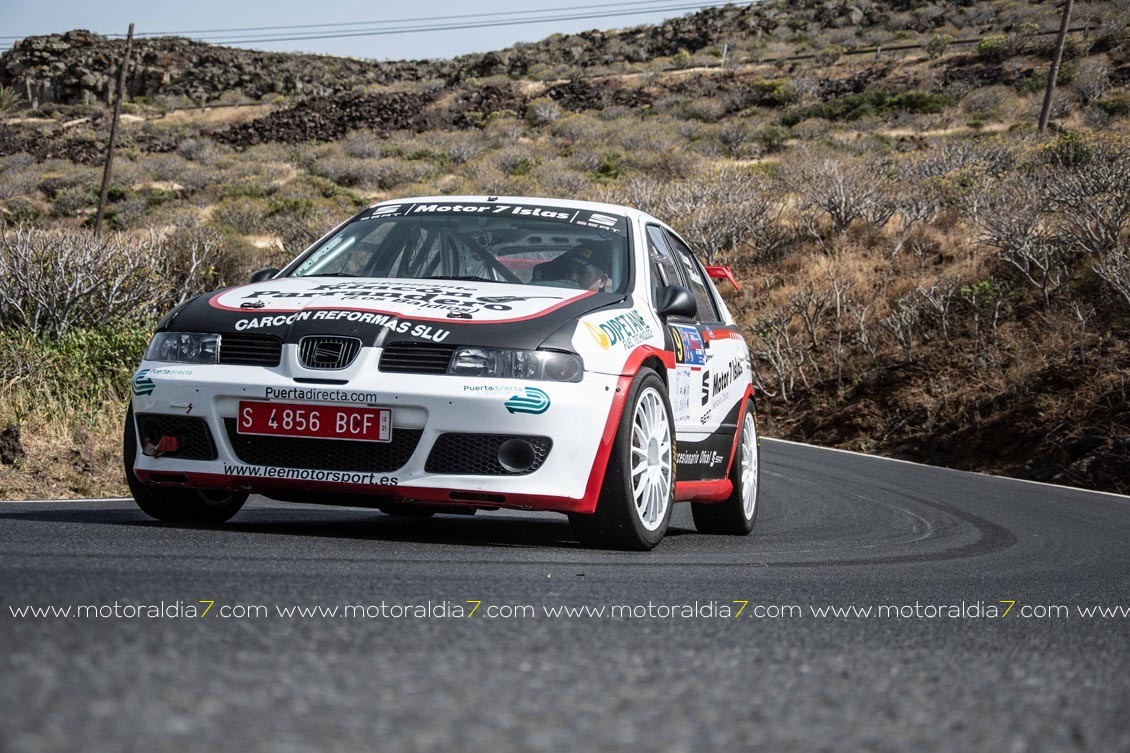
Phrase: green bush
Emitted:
{"points": [[10, 99], [872, 103], [994, 47], [937, 45], [1115, 107], [19, 211], [771, 137], [246, 191], [776, 92], [829, 55], [72, 377], [610, 167], [1068, 149], [110, 220], [116, 193]]}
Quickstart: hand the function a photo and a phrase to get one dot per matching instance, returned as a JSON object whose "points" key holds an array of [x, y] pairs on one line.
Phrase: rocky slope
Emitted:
{"points": [[78, 67]]}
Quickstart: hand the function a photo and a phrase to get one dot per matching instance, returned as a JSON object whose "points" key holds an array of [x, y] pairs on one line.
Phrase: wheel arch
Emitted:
{"points": [[655, 363]]}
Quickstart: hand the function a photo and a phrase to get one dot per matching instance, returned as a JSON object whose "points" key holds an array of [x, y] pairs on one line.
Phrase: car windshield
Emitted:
{"points": [[525, 244]]}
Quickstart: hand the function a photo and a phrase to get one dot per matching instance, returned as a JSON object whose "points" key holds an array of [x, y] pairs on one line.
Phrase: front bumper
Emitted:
{"points": [[417, 465]]}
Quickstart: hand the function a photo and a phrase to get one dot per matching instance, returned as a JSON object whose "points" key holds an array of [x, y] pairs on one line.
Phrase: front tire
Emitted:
{"points": [[175, 504], [634, 508], [737, 514]]}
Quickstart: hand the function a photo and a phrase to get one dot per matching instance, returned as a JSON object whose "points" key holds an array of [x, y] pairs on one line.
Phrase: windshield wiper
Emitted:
{"points": [[331, 274], [478, 278]]}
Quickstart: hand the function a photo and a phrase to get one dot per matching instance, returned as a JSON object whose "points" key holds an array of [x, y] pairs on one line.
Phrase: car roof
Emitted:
{"points": [[594, 206]]}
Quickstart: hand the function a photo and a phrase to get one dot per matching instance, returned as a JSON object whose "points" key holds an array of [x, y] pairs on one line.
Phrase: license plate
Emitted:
{"points": [[315, 421]]}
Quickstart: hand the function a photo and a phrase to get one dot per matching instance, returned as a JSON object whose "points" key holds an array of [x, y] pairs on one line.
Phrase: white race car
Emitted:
{"points": [[458, 353]]}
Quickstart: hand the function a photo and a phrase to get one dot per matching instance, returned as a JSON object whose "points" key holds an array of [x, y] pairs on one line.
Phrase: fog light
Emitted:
{"points": [[516, 455]]}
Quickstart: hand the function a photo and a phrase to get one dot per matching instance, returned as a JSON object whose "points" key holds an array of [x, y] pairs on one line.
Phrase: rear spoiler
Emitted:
{"points": [[722, 272]]}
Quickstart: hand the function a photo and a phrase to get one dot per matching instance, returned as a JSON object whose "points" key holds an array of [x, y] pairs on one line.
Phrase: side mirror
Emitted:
{"points": [[264, 274], [675, 300]]}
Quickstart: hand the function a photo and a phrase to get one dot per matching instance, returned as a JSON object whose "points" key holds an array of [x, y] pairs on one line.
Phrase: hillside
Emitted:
{"points": [[77, 67], [924, 275]]}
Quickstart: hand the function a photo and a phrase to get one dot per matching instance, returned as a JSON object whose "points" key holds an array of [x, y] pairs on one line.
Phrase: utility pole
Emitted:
{"points": [[108, 169], [1053, 73]]}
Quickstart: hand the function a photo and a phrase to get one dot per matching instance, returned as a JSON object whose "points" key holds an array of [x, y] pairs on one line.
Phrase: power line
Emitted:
{"points": [[383, 22], [360, 28], [455, 27]]}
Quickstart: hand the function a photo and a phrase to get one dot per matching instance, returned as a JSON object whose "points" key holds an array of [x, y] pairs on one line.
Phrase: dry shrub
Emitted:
{"points": [[725, 211], [244, 215], [57, 280], [834, 193], [362, 144]]}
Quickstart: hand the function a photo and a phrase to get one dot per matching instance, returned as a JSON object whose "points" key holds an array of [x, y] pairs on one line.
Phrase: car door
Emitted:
{"points": [[686, 379], [711, 356]]}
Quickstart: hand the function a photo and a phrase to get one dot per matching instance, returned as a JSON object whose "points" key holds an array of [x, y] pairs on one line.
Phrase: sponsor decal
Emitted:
{"points": [[310, 474], [681, 400], [711, 333], [508, 389], [320, 395], [689, 347], [708, 458], [582, 217], [603, 340], [458, 299], [503, 209], [723, 379], [310, 298], [625, 331], [389, 322], [705, 387], [534, 402], [143, 384], [704, 419]]}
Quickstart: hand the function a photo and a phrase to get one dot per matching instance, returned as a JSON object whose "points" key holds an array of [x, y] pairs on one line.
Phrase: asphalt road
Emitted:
{"points": [[834, 529]]}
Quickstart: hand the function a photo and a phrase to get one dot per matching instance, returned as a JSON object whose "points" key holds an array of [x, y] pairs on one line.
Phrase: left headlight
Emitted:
{"points": [[184, 347], [505, 363]]}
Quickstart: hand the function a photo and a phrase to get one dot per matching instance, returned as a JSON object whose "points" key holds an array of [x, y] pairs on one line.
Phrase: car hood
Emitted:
{"points": [[391, 310]]}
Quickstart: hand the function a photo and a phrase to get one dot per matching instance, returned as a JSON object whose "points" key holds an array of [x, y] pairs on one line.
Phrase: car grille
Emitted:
{"points": [[324, 454], [477, 454], [194, 440], [416, 358], [321, 352], [250, 350]]}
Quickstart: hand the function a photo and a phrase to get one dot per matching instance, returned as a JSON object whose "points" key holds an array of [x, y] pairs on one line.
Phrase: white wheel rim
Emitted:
{"points": [[749, 467], [651, 459]]}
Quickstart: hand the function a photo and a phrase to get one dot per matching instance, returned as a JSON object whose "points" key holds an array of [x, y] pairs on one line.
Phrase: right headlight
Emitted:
{"points": [[507, 363], [184, 347]]}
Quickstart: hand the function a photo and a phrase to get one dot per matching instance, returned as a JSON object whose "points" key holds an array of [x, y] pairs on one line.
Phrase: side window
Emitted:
{"points": [[693, 272], [663, 264]]}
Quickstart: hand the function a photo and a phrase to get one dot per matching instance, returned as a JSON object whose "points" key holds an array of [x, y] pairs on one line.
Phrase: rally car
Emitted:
{"points": [[459, 353]]}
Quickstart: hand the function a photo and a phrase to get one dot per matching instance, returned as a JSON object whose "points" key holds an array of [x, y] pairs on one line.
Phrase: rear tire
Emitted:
{"points": [[634, 508], [737, 514], [174, 504]]}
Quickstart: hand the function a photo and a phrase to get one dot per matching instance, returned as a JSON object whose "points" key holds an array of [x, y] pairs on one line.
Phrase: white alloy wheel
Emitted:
{"points": [[637, 494], [651, 460], [749, 466], [737, 514]]}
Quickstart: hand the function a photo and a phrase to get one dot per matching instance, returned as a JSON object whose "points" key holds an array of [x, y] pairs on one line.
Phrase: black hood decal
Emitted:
{"points": [[385, 311]]}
